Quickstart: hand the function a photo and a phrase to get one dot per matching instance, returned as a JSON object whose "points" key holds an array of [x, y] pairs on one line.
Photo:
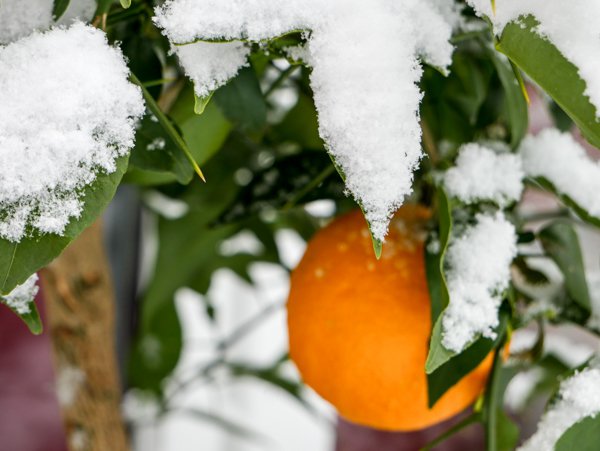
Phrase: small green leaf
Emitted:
{"points": [[31, 319], [201, 102], [59, 7], [561, 243], [582, 436], [125, 3], [544, 63], [377, 247]]}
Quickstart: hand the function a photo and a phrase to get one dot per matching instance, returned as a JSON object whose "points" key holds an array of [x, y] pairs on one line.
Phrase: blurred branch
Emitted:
{"points": [[80, 301]]}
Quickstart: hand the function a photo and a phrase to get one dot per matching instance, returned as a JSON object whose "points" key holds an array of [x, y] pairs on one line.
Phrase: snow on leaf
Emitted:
{"points": [[365, 61], [579, 398], [573, 27], [478, 273], [67, 114], [562, 161], [20, 299]]}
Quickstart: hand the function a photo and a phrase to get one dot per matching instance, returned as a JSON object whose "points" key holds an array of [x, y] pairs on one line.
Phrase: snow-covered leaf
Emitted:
{"points": [[582, 436], [547, 66]]}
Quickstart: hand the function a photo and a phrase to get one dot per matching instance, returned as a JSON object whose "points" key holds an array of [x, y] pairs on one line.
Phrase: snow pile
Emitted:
{"points": [[67, 113], [18, 18], [481, 174], [579, 398], [355, 48], [22, 296], [558, 158], [573, 27], [478, 271]]}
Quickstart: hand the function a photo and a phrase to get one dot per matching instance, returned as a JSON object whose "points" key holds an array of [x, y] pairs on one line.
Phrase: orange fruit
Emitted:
{"points": [[359, 328]]}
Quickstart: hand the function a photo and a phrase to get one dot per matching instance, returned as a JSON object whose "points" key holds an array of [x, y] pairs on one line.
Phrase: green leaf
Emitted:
{"points": [[516, 104], [561, 243], [31, 319], [242, 101], [19, 260], [166, 123], [448, 368], [201, 102], [59, 7], [507, 432], [545, 65], [434, 261], [125, 3], [582, 436]]}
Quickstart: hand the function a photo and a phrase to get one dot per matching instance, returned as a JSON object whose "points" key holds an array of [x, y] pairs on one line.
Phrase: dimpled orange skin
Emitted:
{"points": [[359, 328]]}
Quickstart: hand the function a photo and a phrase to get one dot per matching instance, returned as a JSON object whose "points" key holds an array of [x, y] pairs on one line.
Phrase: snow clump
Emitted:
{"points": [[21, 297], [67, 113], [481, 174], [365, 61], [478, 272], [19, 18]]}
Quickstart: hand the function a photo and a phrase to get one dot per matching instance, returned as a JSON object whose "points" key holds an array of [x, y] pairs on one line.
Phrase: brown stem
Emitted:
{"points": [[80, 302]]}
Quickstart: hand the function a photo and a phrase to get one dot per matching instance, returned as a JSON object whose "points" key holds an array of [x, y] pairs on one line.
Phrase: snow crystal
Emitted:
{"points": [[573, 27], [579, 398], [67, 112], [19, 18], [22, 296], [365, 64], [558, 158], [482, 174], [478, 273]]}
